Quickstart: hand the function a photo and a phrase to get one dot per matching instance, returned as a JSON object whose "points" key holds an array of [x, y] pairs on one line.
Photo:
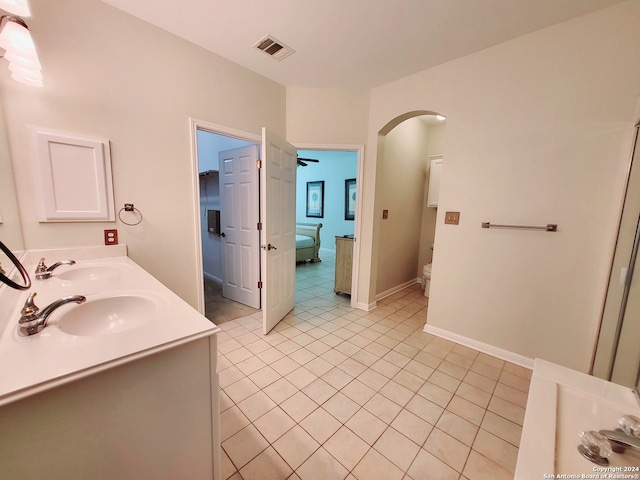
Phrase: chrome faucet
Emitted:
{"points": [[627, 436], [42, 272], [598, 446], [33, 320]]}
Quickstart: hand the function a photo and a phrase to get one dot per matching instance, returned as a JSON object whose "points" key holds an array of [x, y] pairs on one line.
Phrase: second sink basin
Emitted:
{"points": [[103, 315], [89, 273]]}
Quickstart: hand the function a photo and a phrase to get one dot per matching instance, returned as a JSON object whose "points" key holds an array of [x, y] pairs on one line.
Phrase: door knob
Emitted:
{"points": [[269, 247]]}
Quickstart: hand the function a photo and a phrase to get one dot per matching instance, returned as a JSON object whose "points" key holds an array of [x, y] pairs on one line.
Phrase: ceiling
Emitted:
{"points": [[352, 44]]}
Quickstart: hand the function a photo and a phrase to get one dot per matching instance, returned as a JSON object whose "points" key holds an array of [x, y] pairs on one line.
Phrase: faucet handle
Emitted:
{"points": [[41, 270], [30, 308], [41, 266], [595, 447], [630, 425]]}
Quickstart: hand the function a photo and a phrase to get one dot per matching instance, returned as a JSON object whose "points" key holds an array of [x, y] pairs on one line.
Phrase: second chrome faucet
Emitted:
{"points": [[43, 272]]}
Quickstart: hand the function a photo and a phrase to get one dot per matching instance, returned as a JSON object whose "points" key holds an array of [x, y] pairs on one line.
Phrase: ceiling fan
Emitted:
{"points": [[303, 161]]}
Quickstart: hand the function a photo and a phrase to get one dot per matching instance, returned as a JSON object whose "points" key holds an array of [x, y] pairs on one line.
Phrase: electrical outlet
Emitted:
{"points": [[452, 218], [111, 237]]}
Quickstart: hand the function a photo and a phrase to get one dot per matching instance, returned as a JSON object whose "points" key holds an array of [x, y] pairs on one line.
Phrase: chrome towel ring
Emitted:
{"points": [[128, 207]]}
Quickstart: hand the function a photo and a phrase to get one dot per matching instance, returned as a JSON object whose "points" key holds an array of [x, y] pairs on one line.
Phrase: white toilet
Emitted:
{"points": [[426, 278]]}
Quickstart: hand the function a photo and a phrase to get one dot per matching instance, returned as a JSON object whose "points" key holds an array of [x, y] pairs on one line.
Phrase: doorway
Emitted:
{"points": [[207, 140], [406, 230], [230, 276], [333, 221], [339, 168]]}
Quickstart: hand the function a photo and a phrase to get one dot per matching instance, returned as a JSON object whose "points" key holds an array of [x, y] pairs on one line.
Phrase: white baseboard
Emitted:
{"points": [[500, 353], [212, 277], [370, 306], [367, 307], [395, 289]]}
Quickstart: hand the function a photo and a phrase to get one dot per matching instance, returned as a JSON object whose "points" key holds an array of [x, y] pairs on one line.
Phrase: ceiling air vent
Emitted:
{"points": [[274, 48]]}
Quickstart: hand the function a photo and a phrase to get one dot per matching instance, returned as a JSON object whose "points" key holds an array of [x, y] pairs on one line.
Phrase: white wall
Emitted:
{"points": [[334, 168], [111, 75], [322, 116], [538, 131]]}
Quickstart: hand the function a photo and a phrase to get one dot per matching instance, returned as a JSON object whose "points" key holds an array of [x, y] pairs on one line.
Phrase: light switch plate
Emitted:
{"points": [[452, 218]]}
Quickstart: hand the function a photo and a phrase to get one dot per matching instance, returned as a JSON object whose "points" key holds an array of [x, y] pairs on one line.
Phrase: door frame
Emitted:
{"points": [[195, 125], [357, 228]]}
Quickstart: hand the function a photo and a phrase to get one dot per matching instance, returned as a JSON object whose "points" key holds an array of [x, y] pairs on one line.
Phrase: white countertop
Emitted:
{"points": [[29, 365]]}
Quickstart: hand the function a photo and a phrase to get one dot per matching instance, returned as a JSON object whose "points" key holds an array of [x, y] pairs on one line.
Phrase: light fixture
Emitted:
{"points": [[17, 7], [20, 51], [441, 117]]}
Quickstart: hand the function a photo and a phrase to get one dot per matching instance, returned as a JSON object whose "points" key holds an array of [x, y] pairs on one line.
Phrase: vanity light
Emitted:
{"points": [[17, 7], [25, 75], [15, 37], [20, 51]]}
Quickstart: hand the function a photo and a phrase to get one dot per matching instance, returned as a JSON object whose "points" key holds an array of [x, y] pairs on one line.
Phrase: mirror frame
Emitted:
{"points": [[19, 266]]}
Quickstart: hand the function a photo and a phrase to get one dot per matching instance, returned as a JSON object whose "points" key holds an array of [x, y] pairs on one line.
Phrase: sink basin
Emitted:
{"points": [[89, 273], [105, 315]]}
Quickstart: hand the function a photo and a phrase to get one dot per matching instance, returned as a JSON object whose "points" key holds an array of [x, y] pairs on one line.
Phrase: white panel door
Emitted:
{"points": [[239, 218], [278, 238]]}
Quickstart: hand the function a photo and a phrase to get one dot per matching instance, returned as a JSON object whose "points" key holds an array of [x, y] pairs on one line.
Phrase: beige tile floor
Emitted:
{"points": [[334, 393]]}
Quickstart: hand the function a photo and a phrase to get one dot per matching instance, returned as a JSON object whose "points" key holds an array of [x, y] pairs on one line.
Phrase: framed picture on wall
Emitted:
{"points": [[315, 199], [350, 199]]}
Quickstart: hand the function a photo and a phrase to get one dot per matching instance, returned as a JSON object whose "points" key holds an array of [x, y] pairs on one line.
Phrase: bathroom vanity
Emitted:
{"points": [[121, 386]]}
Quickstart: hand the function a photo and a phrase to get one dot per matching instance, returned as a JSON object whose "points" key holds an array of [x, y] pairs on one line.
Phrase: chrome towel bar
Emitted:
{"points": [[549, 227]]}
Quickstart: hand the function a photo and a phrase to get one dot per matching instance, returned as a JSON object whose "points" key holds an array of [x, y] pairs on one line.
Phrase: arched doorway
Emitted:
{"points": [[405, 231]]}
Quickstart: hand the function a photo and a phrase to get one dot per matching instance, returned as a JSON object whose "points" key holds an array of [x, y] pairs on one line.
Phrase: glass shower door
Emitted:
{"points": [[618, 349]]}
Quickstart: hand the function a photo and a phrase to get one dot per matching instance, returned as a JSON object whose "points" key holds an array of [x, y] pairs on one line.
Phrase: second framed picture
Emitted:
{"points": [[315, 199], [350, 199]]}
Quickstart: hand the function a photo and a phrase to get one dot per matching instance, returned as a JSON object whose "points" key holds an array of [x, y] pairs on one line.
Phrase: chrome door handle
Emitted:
{"points": [[269, 247]]}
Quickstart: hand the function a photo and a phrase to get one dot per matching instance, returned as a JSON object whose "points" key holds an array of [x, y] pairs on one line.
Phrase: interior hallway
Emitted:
{"points": [[336, 393]]}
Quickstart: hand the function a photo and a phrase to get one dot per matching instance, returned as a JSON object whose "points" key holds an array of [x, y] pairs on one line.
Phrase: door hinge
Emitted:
{"points": [[259, 284], [259, 225], [258, 163]]}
